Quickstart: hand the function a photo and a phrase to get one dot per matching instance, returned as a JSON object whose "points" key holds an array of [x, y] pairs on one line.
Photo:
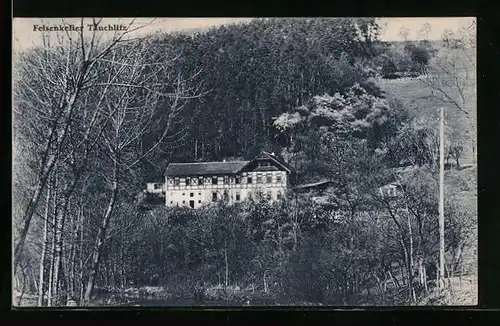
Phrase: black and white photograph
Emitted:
{"points": [[242, 162]]}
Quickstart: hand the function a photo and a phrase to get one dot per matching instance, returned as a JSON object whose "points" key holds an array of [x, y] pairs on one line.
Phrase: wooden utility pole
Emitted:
{"points": [[441, 199]]}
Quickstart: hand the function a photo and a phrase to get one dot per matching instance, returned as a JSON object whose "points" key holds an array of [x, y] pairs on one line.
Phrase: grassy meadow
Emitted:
{"points": [[451, 67]]}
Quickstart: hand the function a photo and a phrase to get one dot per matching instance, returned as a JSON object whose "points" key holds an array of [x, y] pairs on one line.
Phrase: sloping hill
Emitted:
{"points": [[416, 96], [460, 185]]}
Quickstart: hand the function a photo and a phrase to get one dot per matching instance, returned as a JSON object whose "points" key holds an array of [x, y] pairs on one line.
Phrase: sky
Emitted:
{"points": [[24, 35], [414, 24]]}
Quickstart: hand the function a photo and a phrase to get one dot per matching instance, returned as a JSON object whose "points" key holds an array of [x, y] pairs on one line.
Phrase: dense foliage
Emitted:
{"points": [[362, 249], [408, 59], [254, 72]]}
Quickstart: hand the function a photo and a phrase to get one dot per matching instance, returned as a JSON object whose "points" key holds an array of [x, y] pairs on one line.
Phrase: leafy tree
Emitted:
{"points": [[418, 54], [327, 119], [451, 80], [404, 32], [424, 31]]}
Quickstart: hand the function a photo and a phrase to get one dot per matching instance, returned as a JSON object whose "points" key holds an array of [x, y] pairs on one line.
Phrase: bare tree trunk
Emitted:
{"points": [[81, 281], [61, 222], [421, 279], [45, 172], [355, 285], [458, 259], [441, 195], [101, 235], [51, 275], [380, 288], [110, 272], [403, 275], [22, 286], [113, 275], [408, 269], [68, 277], [44, 249], [33, 277], [196, 149], [345, 286], [265, 282], [63, 286], [72, 250], [410, 233], [425, 278], [74, 76], [450, 284], [104, 273], [59, 243], [438, 278], [227, 269], [394, 281], [122, 261], [30, 210], [411, 263], [56, 260], [51, 268], [295, 224]]}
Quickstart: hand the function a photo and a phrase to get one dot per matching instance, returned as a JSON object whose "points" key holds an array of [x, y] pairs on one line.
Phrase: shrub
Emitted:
{"points": [[403, 61], [418, 54], [388, 67]]}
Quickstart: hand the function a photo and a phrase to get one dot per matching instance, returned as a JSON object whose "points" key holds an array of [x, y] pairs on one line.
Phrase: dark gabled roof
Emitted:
{"points": [[215, 168], [273, 157], [204, 168], [266, 168]]}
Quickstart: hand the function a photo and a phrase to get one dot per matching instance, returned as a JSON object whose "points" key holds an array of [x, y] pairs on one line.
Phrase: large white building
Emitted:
{"points": [[197, 184]]}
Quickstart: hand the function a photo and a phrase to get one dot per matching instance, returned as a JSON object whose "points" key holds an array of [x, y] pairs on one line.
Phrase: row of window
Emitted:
{"points": [[215, 197], [199, 201], [226, 180], [191, 194], [269, 195], [191, 203], [389, 191]]}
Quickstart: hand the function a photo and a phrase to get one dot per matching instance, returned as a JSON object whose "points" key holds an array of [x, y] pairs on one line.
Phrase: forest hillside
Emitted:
{"points": [[93, 122]]}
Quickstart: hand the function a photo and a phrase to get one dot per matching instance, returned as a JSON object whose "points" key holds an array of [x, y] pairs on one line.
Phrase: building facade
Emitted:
{"points": [[155, 188], [197, 184], [390, 190]]}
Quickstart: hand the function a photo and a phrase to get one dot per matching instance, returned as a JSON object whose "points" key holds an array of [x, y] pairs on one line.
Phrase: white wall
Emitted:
{"points": [[180, 195], [150, 187]]}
